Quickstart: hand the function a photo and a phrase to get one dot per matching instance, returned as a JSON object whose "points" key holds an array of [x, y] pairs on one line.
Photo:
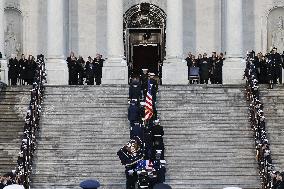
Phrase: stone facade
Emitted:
{"points": [[205, 25]]}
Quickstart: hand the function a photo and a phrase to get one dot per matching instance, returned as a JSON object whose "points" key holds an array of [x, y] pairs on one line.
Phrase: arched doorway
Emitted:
{"points": [[144, 38]]}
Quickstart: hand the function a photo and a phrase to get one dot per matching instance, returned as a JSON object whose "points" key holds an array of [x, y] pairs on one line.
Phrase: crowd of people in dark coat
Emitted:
{"points": [[203, 69], [85, 72], [268, 67], [22, 71], [10, 178], [21, 175], [270, 178], [143, 156]]}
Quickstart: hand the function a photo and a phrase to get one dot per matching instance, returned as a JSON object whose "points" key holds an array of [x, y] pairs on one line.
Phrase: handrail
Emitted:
{"points": [[257, 122], [31, 128]]}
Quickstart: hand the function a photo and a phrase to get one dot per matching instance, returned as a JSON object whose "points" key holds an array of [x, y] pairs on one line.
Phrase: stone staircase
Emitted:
{"points": [[14, 102], [208, 139], [273, 100], [82, 128]]}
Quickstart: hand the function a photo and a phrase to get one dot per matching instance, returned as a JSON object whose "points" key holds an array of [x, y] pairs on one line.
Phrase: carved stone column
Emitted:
{"points": [[234, 65], [174, 68], [3, 62], [57, 73], [115, 70]]}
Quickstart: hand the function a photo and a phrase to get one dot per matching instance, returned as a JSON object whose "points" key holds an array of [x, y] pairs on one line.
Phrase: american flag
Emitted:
{"points": [[149, 103]]}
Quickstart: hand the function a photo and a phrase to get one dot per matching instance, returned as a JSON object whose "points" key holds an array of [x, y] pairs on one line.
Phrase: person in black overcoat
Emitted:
{"points": [[98, 63], [262, 69], [212, 61], [13, 72], [30, 70], [81, 70], [73, 69], [22, 67], [189, 62], [277, 64], [217, 69], [204, 69], [90, 71]]}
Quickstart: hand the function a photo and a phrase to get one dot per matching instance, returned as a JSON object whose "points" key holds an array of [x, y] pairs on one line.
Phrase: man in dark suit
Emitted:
{"points": [[98, 65], [22, 67], [81, 70], [189, 62], [73, 69], [204, 69], [13, 72], [277, 64], [90, 71]]}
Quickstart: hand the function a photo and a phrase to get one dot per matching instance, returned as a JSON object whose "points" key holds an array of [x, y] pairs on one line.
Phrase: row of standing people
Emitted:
{"points": [[22, 71], [81, 71], [206, 68], [270, 179], [268, 67]]}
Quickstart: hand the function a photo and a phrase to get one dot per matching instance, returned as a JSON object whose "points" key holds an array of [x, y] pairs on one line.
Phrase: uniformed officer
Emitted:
{"points": [[277, 66]]}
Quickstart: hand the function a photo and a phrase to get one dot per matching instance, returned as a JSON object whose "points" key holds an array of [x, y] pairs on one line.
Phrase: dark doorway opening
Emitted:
{"points": [[145, 57]]}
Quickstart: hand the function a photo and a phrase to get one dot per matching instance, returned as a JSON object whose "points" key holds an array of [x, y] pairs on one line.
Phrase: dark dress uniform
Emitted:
{"points": [[277, 64], [90, 73], [73, 71], [131, 176], [135, 91], [13, 72], [134, 114]]}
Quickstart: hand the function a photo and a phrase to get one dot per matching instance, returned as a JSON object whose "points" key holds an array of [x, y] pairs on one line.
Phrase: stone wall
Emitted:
{"points": [[204, 24]]}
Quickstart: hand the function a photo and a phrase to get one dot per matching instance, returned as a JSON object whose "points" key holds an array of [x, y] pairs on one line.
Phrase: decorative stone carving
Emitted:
{"points": [[144, 15], [12, 45], [278, 35], [275, 29], [13, 32]]}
